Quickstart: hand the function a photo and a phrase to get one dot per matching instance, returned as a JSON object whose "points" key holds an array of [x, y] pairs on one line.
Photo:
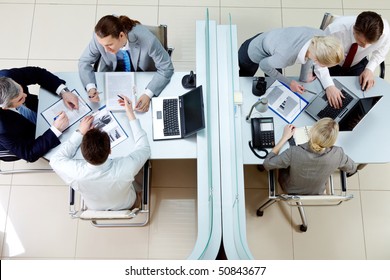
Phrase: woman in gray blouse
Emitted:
{"points": [[284, 47], [305, 169]]}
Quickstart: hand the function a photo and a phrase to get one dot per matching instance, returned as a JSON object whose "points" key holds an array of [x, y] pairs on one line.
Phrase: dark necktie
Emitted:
{"points": [[126, 60], [350, 56]]}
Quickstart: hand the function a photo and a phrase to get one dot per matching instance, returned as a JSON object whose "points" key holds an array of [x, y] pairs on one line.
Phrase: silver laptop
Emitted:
{"points": [[349, 115], [178, 117]]}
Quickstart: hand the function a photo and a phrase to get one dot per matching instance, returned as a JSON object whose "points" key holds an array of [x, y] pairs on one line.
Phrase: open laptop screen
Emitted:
{"points": [[193, 116], [356, 114]]}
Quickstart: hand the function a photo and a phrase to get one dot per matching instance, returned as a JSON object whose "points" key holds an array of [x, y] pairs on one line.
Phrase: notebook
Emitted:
{"points": [[351, 113], [178, 117]]}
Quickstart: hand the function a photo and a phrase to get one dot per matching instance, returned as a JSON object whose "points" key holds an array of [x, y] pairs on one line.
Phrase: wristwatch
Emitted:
{"points": [[65, 89]]}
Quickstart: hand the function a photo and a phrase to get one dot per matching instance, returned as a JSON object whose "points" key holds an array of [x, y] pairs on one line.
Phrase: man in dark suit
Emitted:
{"points": [[18, 110]]}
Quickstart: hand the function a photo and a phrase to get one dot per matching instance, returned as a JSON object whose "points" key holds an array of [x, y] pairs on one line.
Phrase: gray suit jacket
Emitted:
{"points": [[146, 53], [309, 171], [279, 48]]}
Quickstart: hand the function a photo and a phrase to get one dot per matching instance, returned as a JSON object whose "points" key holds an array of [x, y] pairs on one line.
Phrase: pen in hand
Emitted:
{"points": [[56, 117], [122, 98]]}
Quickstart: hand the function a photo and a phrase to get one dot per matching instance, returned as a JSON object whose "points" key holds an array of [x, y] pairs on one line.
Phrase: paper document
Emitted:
{"points": [[51, 113], [302, 134], [119, 83], [105, 120], [287, 104]]}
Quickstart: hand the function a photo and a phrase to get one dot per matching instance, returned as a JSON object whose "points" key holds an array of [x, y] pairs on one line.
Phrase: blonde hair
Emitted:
{"points": [[323, 134], [327, 49]]}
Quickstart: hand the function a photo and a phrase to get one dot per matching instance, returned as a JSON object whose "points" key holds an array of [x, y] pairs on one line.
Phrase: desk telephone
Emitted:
{"points": [[263, 135]]}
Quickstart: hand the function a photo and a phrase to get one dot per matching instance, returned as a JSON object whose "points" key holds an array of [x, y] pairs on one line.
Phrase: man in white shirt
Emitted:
{"points": [[371, 33], [105, 184]]}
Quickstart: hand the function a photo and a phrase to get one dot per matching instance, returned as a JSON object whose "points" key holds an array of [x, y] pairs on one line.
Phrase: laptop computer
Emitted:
{"points": [[178, 117], [349, 115]]}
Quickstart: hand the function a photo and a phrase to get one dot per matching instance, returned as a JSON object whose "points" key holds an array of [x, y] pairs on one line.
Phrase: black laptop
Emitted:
{"points": [[349, 115], [178, 117]]}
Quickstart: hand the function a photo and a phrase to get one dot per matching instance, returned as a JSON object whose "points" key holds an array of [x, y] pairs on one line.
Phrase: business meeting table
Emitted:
{"points": [[366, 143], [166, 149]]}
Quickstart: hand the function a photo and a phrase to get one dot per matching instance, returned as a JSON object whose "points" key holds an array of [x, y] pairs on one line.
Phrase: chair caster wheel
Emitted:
{"points": [[259, 213], [303, 228]]}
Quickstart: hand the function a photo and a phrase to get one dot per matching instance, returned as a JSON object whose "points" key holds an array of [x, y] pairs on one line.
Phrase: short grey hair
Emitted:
{"points": [[9, 90]]}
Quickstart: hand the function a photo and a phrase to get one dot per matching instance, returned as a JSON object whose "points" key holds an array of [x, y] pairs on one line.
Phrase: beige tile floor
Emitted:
{"points": [[33, 208]]}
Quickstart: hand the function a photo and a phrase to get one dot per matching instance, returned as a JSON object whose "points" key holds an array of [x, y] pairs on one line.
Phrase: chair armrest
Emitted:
{"points": [[120, 214], [382, 70], [315, 200], [343, 180], [271, 182], [71, 196]]}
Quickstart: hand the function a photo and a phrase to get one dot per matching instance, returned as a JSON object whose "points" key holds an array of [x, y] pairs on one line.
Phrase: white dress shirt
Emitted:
{"points": [[342, 28], [108, 186]]}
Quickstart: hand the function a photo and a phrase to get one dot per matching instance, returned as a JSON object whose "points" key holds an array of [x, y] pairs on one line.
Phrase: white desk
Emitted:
{"points": [[170, 149], [367, 143], [197, 146]]}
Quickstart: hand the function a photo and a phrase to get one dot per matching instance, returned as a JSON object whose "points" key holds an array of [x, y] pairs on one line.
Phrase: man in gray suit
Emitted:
{"points": [[123, 44]]}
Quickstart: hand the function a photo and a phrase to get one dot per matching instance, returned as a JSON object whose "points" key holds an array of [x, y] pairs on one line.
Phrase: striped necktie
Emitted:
{"points": [[126, 60]]}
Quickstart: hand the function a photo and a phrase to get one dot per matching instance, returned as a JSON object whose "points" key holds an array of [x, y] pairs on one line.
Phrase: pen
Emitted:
{"points": [[309, 91], [56, 117], [122, 98]]}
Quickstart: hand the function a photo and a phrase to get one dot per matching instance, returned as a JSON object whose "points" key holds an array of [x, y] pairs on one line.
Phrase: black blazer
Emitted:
{"points": [[17, 134]]}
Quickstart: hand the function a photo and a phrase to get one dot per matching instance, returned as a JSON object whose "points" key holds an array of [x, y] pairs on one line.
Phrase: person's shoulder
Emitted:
{"points": [[140, 29], [344, 20], [4, 72], [336, 150], [9, 72]]}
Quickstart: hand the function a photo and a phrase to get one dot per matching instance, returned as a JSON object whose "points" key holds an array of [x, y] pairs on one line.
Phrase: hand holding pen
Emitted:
{"points": [[61, 121], [126, 102], [296, 87]]}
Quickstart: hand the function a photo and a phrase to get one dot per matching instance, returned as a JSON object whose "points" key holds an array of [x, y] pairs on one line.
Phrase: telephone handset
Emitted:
{"points": [[263, 135]]}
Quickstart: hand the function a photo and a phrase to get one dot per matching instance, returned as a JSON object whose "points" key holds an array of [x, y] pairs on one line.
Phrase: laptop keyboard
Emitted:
{"points": [[331, 112], [171, 117]]}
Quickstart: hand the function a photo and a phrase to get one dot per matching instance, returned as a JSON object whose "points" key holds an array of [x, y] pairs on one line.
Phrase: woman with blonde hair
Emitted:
{"points": [[305, 169], [279, 48]]}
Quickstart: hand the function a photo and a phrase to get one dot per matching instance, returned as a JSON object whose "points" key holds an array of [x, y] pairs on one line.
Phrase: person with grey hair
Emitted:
{"points": [[18, 113]]}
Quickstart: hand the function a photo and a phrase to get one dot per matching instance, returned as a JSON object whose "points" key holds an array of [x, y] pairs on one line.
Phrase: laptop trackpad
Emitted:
{"points": [[159, 115]]}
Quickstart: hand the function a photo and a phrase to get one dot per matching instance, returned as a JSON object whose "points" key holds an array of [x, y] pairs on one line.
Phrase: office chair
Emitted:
{"points": [[120, 218], [302, 201], [6, 156], [160, 31], [328, 19]]}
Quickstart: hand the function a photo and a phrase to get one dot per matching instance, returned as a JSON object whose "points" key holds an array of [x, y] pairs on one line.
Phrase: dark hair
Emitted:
{"points": [[112, 25], [95, 146], [370, 25]]}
